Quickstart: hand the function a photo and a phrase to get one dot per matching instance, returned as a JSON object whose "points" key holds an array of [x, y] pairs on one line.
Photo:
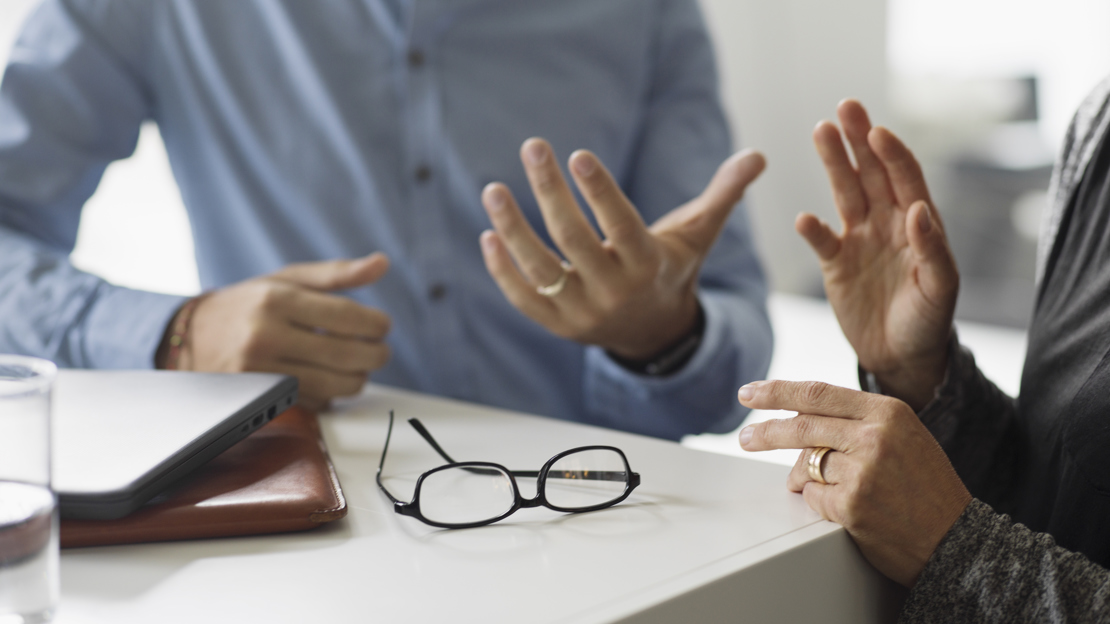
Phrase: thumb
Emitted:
{"points": [[336, 274], [936, 268], [700, 220]]}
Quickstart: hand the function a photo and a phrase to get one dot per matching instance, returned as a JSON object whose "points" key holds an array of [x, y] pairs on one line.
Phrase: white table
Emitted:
{"points": [[706, 538]]}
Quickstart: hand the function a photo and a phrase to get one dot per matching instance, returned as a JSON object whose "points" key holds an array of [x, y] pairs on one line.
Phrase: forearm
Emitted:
{"points": [[988, 569], [50, 309], [735, 349]]}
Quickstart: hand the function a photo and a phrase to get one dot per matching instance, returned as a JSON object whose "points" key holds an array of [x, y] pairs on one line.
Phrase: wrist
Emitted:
{"points": [[173, 352], [671, 358], [915, 384]]}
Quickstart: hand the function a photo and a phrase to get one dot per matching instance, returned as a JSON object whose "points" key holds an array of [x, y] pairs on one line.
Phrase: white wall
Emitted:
{"points": [[785, 64], [1063, 43]]}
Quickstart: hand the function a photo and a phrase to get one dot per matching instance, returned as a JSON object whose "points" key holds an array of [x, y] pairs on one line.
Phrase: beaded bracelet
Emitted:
{"points": [[182, 322]]}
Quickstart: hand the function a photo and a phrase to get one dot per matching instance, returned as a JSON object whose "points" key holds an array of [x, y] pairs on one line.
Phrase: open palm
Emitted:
{"points": [[889, 275]]}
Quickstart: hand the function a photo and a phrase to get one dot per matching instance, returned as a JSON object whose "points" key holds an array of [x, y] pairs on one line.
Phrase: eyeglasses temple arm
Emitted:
{"points": [[381, 464], [427, 435], [424, 433]]}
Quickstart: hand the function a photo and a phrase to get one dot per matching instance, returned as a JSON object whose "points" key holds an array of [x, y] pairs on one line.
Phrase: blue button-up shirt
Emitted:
{"points": [[307, 130]]}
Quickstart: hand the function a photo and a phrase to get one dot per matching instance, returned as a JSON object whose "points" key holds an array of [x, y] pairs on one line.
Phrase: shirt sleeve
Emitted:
{"points": [[989, 569], [69, 105], [684, 139]]}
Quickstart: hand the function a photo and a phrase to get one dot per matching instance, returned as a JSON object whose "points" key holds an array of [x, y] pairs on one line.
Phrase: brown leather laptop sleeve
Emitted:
{"points": [[278, 479]]}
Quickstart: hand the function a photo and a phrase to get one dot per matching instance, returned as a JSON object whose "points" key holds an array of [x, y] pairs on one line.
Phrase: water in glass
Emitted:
{"points": [[27, 553]]}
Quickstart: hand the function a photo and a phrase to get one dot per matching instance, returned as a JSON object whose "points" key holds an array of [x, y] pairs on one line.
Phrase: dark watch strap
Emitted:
{"points": [[673, 358]]}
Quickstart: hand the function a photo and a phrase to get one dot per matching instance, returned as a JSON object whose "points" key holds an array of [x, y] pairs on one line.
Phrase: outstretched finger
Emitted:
{"points": [[907, 179], [806, 397], [517, 290], [568, 227], [872, 174], [936, 267], [699, 221], [819, 235], [328, 275], [618, 218], [536, 261], [802, 431], [848, 195]]}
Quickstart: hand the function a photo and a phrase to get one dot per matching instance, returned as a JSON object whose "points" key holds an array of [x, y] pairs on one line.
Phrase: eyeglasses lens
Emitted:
{"points": [[586, 479], [462, 496]]}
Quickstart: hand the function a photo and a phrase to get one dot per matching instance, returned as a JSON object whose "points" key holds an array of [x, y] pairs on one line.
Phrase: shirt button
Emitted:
{"points": [[437, 292], [416, 59], [423, 173]]}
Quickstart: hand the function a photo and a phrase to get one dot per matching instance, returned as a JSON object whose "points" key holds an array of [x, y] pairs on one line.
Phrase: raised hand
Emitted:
{"points": [[888, 482], [633, 292], [288, 322], [890, 275]]}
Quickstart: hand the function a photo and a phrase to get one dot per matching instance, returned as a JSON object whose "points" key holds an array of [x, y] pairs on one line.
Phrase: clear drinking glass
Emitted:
{"points": [[28, 510]]}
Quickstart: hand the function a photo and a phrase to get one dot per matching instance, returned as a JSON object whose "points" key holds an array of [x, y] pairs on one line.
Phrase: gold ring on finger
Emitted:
{"points": [[557, 287], [815, 465]]}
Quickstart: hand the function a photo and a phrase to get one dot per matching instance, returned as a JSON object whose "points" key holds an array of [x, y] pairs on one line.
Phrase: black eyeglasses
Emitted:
{"points": [[460, 495]]}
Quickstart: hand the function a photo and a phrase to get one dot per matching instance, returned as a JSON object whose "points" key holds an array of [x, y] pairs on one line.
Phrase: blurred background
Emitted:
{"points": [[982, 90]]}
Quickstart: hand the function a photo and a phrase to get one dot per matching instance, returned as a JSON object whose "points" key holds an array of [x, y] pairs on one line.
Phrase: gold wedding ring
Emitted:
{"points": [[557, 287], [815, 464]]}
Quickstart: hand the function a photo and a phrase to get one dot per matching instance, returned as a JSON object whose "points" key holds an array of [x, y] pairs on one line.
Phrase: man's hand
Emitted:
{"points": [[633, 293], [287, 322], [890, 276], [889, 482]]}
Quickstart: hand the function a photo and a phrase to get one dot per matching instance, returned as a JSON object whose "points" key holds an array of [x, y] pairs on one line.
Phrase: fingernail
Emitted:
{"points": [[924, 223], [495, 199], [746, 392], [488, 243], [584, 164], [746, 435], [535, 153]]}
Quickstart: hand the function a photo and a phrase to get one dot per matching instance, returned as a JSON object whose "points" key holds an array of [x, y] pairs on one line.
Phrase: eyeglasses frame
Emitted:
{"points": [[412, 508]]}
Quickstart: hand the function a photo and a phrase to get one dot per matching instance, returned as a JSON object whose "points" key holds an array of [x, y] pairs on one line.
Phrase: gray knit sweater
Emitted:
{"points": [[989, 568]]}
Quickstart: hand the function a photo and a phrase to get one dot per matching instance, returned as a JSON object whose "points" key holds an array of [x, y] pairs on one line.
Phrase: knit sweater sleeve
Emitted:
{"points": [[990, 569]]}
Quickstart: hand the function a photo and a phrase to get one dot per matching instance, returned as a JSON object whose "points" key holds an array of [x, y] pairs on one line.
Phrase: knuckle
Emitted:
{"points": [[272, 297], [546, 182], [513, 226], [760, 434], [598, 191], [871, 438], [805, 426], [813, 392], [571, 237], [767, 433]]}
